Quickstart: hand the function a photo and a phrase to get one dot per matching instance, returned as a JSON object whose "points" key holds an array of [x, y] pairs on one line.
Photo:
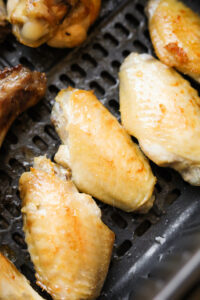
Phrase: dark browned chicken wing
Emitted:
{"points": [[20, 89]]}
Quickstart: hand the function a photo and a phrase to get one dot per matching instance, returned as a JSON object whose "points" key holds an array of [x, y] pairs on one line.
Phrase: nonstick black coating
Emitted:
{"points": [[142, 241]]}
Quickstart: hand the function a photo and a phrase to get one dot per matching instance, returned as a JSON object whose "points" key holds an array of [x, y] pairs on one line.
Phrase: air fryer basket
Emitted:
{"points": [[142, 241]]}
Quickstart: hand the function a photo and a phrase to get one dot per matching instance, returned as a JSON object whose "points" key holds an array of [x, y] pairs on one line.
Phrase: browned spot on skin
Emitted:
{"points": [[176, 83], [183, 11], [140, 170], [181, 110], [178, 52], [162, 108]]}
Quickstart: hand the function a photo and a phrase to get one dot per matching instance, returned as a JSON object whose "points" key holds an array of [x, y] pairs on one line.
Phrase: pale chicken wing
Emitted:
{"points": [[20, 89], [175, 34], [161, 109], [105, 163], [69, 244], [59, 23], [13, 285]]}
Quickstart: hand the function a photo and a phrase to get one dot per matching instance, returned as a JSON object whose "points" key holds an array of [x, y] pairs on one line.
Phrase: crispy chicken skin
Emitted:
{"points": [[175, 34], [4, 28], [13, 285], [59, 23], [69, 244], [161, 109], [20, 89], [105, 163]]}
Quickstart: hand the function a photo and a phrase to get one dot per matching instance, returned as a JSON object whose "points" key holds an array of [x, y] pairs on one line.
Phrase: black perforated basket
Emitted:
{"points": [[151, 251]]}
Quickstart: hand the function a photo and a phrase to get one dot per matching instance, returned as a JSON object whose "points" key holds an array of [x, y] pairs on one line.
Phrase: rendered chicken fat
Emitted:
{"points": [[162, 110], [105, 163], [13, 285], [175, 34], [69, 244]]}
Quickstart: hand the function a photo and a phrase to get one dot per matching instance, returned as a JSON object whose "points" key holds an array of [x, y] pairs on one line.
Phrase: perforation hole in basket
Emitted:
{"points": [[34, 114], [108, 78], [158, 187], [97, 88], [66, 80], [142, 228], [16, 165], [88, 58], [9, 46], [140, 8], [140, 47], [118, 220], [121, 29], [11, 137], [78, 70], [123, 248], [100, 49], [51, 132], [111, 39], [19, 240], [114, 105], [125, 53], [132, 20], [116, 65], [40, 143], [146, 34], [3, 223], [53, 89], [24, 61], [12, 209], [172, 196]]}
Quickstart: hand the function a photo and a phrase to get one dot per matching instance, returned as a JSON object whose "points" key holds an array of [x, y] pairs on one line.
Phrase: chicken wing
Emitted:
{"points": [[19, 89], [69, 244], [175, 34], [105, 163], [13, 285], [162, 110], [4, 29], [59, 23]]}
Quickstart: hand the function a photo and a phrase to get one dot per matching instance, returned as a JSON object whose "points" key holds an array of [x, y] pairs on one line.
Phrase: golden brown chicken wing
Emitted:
{"points": [[19, 89], [161, 109], [105, 163], [13, 285], [175, 34], [59, 23], [69, 244]]}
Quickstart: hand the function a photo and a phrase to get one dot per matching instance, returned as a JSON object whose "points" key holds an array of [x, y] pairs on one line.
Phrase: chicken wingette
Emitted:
{"points": [[105, 162], [69, 244], [58, 23], [161, 109], [175, 34], [13, 285], [20, 89]]}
